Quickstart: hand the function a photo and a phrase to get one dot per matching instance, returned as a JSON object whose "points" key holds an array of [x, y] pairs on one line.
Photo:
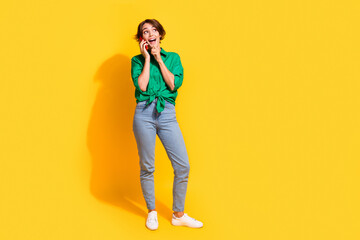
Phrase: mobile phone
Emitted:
{"points": [[146, 46]]}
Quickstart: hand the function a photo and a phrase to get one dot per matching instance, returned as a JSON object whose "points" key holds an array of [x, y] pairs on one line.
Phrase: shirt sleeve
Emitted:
{"points": [[136, 69], [178, 72]]}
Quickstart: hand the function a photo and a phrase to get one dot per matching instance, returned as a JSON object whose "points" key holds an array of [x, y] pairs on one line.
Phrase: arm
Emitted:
{"points": [[167, 75], [140, 73], [173, 79], [144, 77]]}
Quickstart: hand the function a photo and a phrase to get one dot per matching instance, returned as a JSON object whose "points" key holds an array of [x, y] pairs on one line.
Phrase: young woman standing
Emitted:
{"points": [[157, 74]]}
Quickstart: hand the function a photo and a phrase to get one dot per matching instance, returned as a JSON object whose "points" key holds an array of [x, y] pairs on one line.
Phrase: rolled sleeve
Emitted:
{"points": [[178, 72], [136, 69]]}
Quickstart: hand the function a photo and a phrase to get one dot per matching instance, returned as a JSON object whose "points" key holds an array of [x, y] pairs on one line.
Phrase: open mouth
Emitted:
{"points": [[152, 40]]}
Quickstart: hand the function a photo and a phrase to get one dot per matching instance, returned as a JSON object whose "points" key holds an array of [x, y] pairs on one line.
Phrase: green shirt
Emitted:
{"points": [[157, 88]]}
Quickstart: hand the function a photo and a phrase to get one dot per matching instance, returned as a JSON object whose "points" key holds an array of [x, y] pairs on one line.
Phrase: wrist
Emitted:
{"points": [[159, 60]]}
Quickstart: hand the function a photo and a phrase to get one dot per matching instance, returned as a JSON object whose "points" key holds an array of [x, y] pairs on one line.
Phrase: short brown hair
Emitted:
{"points": [[153, 22]]}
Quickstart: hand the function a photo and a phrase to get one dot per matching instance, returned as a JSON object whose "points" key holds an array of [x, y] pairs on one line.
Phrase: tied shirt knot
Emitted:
{"points": [[160, 105]]}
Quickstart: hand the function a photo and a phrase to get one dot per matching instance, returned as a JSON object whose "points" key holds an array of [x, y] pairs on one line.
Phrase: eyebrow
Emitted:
{"points": [[147, 28]]}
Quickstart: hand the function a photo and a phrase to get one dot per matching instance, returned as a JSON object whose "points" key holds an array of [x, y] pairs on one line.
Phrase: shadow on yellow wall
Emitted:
{"points": [[115, 176]]}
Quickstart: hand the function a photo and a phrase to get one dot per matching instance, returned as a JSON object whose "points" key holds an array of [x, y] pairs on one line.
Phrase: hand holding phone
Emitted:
{"points": [[146, 46], [145, 53]]}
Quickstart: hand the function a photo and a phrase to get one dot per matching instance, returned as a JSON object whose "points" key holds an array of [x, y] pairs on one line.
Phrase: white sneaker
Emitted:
{"points": [[187, 221], [152, 221]]}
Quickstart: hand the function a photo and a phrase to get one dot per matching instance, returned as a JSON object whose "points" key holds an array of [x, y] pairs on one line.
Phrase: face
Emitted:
{"points": [[149, 32]]}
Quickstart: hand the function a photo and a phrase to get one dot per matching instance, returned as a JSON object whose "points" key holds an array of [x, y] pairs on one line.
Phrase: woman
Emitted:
{"points": [[157, 75]]}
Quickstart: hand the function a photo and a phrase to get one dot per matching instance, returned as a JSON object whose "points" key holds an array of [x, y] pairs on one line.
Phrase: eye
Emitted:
{"points": [[145, 31]]}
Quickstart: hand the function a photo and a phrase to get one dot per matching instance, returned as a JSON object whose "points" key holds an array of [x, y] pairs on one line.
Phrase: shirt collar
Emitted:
{"points": [[163, 52]]}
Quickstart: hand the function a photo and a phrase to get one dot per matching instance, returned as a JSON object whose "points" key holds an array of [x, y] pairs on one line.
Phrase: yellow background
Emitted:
{"points": [[269, 110]]}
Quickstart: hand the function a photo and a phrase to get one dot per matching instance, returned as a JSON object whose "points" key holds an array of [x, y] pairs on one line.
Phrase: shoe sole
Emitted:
{"points": [[151, 229], [184, 225]]}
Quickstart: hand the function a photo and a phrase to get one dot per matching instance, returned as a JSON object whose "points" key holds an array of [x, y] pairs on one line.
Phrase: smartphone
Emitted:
{"points": [[146, 46]]}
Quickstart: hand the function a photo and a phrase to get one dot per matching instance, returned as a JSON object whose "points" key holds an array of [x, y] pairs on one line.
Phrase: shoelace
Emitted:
{"points": [[191, 217], [152, 219]]}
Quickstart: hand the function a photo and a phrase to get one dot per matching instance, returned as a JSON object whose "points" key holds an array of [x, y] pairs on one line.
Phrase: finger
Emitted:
{"points": [[143, 44], [144, 47]]}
